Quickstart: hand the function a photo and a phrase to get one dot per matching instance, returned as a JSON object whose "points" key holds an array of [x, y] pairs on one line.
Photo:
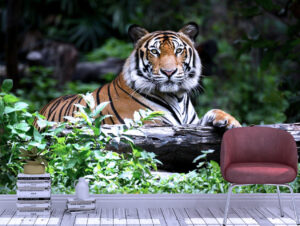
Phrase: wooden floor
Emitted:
{"points": [[173, 212], [155, 216]]}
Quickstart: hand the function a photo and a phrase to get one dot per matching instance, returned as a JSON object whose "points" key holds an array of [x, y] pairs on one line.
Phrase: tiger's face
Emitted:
{"points": [[163, 61]]}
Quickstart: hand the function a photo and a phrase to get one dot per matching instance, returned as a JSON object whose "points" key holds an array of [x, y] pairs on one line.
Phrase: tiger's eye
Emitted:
{"points": [[154, 51], [179, 50]]}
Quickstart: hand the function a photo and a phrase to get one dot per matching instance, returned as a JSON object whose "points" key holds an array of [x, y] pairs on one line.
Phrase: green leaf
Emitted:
{"points": [[10, 98], [1, 108], [8, 110], [20, 106], [37, 136], [7, 85], [208, 151], [23, 126], [71, 163], [203, 156], [99, 108]]}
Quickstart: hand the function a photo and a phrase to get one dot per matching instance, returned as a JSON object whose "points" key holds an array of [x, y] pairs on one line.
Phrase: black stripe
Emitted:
{"points": [[187, 104], [185, 110], [98, 96], [70, 104], [137, 62], [159, 102], [53, 108], [163, 33], [194, 60], [146, 67], [147, 43], [68, 96], [112, 121], [78, 102], [135, 99], [113, 107], [59, 117], [193, 118], [53, 117], [164, 37], [73, 110], [190, 52], [114, 84]]}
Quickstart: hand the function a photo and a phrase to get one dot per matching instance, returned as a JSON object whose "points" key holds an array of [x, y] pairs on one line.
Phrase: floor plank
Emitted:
{"points": [[233, 217], [28, 220], [145, 217], [182, 217], [119, 217], [107, 216], [157, 216], [262, 220], [207, 216], [272, 218], [195, 217], [170, 217], [68, 219], [42, 220], [290, 212], [286, 218], [81, 219], [15, 220], [245, 216], [56, 217], [219, 216], [6, 216], [94, 218], [132, 218]]}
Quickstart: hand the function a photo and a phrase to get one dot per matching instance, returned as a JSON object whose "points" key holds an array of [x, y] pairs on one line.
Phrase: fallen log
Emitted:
{"points": [[178, 146]]}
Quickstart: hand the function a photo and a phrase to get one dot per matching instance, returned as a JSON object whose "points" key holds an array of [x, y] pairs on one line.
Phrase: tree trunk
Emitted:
{"points": [[13, 16], [177, 147]]}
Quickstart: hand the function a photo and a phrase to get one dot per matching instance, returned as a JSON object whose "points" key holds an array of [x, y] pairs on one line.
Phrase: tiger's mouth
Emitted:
{"points": [[171, 85]]}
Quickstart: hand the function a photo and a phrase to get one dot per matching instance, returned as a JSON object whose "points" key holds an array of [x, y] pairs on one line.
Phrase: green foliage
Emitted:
{"points": [[252, 95], [39, 87], [111, 48], [16, 133], [79, 149], [82, 152]]}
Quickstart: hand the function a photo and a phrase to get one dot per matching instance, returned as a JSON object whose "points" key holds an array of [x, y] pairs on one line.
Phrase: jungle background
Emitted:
{"points": [[250, 52]]}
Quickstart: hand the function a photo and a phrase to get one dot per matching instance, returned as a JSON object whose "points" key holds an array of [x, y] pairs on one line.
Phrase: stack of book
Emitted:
{"points": [[33, 194], [80, 205]]}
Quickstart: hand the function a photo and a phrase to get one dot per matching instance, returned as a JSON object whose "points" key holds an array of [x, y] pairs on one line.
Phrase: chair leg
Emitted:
{"points": [[293, 202], [279, 200], [227, 203]]}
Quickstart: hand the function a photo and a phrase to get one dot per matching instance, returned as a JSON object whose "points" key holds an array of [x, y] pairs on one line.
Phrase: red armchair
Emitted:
{"points": [[258, 155]]}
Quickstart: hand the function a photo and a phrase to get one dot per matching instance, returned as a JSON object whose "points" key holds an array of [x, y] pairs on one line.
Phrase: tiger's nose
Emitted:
{"points": [[168, 72]]}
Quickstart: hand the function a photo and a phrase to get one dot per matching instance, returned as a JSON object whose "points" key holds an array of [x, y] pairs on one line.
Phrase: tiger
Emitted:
{"points": [[160, 74]]}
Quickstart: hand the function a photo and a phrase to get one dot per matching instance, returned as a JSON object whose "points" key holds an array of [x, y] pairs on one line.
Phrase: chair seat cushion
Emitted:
{"points": [[259, 173]]}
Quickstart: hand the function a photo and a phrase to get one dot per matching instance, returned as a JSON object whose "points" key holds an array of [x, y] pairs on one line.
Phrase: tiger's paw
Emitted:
{"points": [[219, 118]]}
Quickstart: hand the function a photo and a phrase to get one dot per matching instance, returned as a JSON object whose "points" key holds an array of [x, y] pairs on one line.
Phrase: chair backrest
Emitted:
{"points": [[258, 144]]}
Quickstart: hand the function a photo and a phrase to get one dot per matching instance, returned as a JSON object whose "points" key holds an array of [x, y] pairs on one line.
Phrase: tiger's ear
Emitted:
{"points": [[191, 30], [135, 32]]}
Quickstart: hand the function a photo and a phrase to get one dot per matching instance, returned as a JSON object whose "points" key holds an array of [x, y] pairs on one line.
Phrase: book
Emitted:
{"points": [[33, 204], [75, 201], [33, 184], [34, 194], [34, 189], [26, 177], [81, 207], [33, 199], [42, 212]]}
